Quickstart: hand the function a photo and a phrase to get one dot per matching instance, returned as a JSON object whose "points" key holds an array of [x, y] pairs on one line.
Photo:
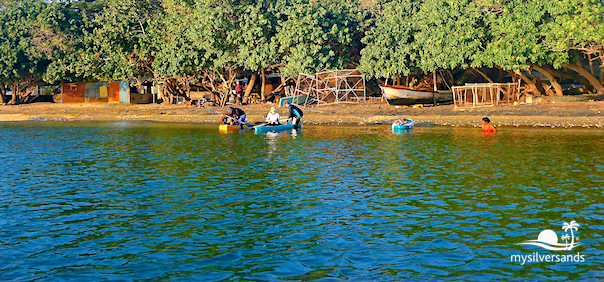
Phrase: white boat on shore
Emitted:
{"points": [[401, 95]]}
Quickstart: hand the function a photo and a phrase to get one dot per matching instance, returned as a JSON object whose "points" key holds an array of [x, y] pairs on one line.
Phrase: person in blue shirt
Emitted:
{"points": [[295, 114]]}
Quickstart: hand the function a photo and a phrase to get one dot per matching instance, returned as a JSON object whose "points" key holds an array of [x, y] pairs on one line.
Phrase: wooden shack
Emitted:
{"points": [[96, 92]]}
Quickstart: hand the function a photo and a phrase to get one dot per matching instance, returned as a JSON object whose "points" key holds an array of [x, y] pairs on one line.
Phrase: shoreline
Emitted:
{"points": [[557, 115]]}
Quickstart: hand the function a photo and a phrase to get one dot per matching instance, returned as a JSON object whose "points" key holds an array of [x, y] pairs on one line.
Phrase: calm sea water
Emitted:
{"points": [[129, 201]]}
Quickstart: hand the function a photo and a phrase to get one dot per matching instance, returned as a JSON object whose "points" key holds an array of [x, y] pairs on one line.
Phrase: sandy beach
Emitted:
{"points": [[588, 114]]}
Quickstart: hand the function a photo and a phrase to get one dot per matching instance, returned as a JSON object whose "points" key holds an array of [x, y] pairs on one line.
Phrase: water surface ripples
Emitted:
{"points": [[129, 201]]}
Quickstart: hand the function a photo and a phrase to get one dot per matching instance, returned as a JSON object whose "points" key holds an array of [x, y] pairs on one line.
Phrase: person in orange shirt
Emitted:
{"points": [[487, 127]]}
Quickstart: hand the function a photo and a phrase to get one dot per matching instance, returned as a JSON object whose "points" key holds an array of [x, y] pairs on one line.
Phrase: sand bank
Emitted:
{"points": [[567, 114]]}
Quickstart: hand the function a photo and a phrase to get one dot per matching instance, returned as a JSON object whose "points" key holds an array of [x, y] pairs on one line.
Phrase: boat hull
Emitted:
{"points": [[274, 128], [398, 96], [228, 128]]}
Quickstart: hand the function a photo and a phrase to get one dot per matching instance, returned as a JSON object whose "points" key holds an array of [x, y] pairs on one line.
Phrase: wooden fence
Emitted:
{"points": [[485, 94]]}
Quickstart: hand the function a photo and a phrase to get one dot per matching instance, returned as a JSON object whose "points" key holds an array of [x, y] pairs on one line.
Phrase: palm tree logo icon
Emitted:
{"points": [[570, 226], [548, 239], [565, 238]]}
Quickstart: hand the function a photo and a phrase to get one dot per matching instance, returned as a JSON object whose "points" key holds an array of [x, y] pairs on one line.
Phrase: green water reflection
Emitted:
{"points": [[167, 201]]}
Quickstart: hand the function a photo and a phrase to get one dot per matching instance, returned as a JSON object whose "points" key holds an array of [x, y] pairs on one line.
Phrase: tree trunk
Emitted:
{"points": [[552, 79], [572, 75], [262, 89], [532, 87], [188, 97], [591, 64], [249, 88], [2, 93], [14, 100], [592, 79], [544, 89], [15, 97], [451, 77], [482, 74], [23, 89], [602, 72]]}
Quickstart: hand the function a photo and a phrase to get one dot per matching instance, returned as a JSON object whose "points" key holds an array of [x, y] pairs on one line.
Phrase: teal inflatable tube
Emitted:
{"points": [[403, 124]]}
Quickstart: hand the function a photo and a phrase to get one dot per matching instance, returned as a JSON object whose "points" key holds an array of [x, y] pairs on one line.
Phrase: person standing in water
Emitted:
{"points": [[295, 114], [487, 127]]}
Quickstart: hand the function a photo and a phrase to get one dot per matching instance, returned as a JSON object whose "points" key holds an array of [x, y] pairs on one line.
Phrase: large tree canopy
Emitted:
{"points": [[33, 35], [389, 43], [213, 42], [517, 36]]}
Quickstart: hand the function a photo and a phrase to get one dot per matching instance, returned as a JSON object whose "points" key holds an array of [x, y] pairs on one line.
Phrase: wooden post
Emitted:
{"points": [[454, 100], [474, 96]]}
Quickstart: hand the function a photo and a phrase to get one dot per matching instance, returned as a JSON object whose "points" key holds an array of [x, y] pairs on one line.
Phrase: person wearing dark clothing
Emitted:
{"points": [[294, 113], [234, 116]]}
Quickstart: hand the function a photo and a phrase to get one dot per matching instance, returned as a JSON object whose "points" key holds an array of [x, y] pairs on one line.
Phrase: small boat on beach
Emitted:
{"points": [[400, 95], [273, 128], [403, 124]]}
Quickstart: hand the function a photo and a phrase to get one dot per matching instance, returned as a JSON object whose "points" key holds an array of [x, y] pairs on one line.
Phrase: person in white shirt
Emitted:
{"points": [[273, 117]]}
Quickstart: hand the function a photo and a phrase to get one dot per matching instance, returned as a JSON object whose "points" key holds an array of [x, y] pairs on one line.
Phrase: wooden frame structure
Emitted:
{"points": [[332, 87], [485, 94]]}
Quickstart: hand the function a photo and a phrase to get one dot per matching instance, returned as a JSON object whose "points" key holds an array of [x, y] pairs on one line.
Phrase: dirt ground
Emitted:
{"points": [[553, 114]]}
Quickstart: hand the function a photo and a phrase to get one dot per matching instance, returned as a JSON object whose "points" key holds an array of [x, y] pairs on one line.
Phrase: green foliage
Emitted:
{"points": [[575, 24], [33, 34], [389, 50], [448, 35], [510, 34], [121, 39], [257, 47], [314, 36], [110, 39], [515, 30]]}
